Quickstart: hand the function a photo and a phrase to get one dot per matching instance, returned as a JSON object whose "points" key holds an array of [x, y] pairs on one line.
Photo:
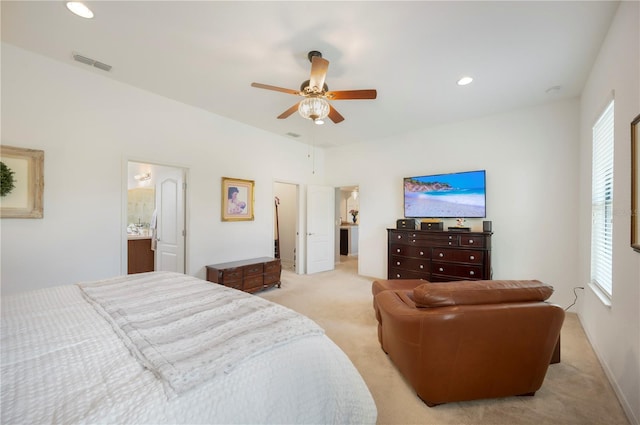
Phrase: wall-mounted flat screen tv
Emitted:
{"points": [[453, 195]]}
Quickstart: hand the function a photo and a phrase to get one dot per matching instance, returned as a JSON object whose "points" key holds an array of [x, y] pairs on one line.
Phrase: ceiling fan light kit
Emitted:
{"points": [[314, 108], [315, 105]]}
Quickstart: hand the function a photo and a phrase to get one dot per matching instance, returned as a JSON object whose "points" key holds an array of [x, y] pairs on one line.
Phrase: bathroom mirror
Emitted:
{"points": [[141, 204]]}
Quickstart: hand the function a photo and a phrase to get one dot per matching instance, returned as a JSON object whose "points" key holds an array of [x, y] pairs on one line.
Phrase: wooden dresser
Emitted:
{"points": [[247, 275], [438, 256]]}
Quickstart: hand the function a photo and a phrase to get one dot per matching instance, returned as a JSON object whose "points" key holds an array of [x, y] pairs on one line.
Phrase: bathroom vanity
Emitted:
{"points": [[140, 256]]}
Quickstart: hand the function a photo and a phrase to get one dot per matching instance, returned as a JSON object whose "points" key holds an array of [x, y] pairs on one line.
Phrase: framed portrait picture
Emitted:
{"points": [[237, 199], [635, 184], [22, 182]]}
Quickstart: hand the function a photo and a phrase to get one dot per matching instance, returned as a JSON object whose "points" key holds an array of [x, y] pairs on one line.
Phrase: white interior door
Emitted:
{"points": [[320, 228], [170, 224]]}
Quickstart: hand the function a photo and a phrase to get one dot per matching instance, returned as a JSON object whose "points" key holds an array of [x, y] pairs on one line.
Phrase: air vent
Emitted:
{"points": [[102, 66], [293, 134], [91, 62]]}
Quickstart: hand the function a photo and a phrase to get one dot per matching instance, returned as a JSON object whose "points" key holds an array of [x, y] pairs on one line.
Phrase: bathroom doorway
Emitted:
{"points": [[155, 223]]}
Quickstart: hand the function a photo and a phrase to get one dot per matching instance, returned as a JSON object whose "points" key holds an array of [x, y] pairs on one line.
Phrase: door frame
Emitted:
{"points": [[124, 202]]}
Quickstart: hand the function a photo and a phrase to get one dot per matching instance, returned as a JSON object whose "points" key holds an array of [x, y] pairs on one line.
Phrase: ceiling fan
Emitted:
{"points": [[315, 105]]}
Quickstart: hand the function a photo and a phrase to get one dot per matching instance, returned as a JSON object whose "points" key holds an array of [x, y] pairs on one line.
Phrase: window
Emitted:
{"points": [[602, 202]]}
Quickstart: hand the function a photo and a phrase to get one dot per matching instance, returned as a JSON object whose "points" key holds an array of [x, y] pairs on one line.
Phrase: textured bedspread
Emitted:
{"points": [[62, 362], [186, 332]]}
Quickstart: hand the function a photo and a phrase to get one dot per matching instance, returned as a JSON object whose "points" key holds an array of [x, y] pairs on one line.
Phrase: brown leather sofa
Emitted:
{"points": [[457, 341]]}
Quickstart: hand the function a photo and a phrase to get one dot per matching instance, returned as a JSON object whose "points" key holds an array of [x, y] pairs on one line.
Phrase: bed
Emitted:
{"points": [[164, 347]]}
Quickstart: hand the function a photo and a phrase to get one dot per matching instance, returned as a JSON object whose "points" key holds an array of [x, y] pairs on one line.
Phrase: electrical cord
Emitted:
{"points": [[576, 297]]}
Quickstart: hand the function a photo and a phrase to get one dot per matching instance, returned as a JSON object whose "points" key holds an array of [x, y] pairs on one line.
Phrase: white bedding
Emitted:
{"points": [[62, 362]]}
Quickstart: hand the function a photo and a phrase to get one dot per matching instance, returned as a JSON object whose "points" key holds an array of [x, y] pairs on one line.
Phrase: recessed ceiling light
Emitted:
{"points": [[464, 81], [79, 9]]}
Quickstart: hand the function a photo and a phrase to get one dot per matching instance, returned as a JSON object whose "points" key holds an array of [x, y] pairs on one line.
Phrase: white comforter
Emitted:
{"points": [[62, 362]]}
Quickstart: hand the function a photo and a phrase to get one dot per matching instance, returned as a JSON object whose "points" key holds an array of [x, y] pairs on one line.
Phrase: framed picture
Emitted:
{"points": [[635, 183], [22, 182], [237, 199]]}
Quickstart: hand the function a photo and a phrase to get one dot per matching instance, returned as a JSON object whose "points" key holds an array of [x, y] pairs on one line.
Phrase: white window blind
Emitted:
{"points": [[602, 201]]}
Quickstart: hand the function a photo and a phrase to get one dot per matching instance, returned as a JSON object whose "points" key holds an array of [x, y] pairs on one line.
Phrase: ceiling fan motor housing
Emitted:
{"points": [[304, 87]]}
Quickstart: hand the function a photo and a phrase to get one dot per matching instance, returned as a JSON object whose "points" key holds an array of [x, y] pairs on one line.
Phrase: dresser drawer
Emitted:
{"points": [[468, 240], [272, 267], [445, 240], [457, 270], [271, 278], [253, 283], [230, 274], [458, 255], [253, 269], [410, 251], [395, 273], [398, 237], [235, 284], [414, 264]]}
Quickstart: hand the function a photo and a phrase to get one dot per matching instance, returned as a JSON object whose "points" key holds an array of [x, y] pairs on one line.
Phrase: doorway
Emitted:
{"points": [[155, 223], [347, 232], [286, 226]]}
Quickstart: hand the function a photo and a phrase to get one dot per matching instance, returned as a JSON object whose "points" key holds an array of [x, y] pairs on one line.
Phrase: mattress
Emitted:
{"points": [[62, 361]]}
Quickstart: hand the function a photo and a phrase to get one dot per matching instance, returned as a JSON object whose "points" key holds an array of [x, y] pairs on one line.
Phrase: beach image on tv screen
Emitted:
{"points": [[445, 195]]}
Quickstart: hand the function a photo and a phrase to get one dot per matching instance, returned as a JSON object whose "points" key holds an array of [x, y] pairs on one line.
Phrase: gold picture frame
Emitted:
{"points": [[27, 168], [635, 184], [237, 199]]}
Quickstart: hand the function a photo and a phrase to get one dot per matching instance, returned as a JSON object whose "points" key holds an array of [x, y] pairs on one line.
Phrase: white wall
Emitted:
{"points": [[614, 331], [88, 127], [531, 161]]}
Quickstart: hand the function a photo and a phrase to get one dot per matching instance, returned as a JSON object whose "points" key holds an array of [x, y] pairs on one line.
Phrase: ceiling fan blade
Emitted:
{"points": [[268, 87], [335, 115], [288, 112], [351, 94], [319, 68]]}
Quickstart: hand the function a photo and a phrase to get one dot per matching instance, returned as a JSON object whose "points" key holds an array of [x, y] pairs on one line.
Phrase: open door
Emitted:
{"points": [[170, 233], [320, 228]]}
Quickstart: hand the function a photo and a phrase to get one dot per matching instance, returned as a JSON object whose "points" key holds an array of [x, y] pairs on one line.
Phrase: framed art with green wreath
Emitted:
{"points": [[22, 182]]}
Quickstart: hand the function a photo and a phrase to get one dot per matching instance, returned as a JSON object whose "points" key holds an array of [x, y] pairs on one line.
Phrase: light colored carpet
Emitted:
{"points": [[575, 391]]}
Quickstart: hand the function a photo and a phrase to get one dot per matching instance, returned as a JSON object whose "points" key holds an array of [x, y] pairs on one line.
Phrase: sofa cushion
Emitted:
{"points": [[470, 292]]}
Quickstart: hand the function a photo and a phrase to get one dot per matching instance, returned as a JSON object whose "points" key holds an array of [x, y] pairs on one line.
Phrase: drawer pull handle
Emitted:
{"points": [[397, 263], [413, 240], [399, 236], [421, 266], [449, 243], [398, 250], [441, 255], [441, 269], [398, 275], [472, 273], [472, 257], [421, 252], [470, 240]]}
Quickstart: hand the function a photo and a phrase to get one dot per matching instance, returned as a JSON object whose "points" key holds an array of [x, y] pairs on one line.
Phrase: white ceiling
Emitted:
{"points": [[207, 53]]}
